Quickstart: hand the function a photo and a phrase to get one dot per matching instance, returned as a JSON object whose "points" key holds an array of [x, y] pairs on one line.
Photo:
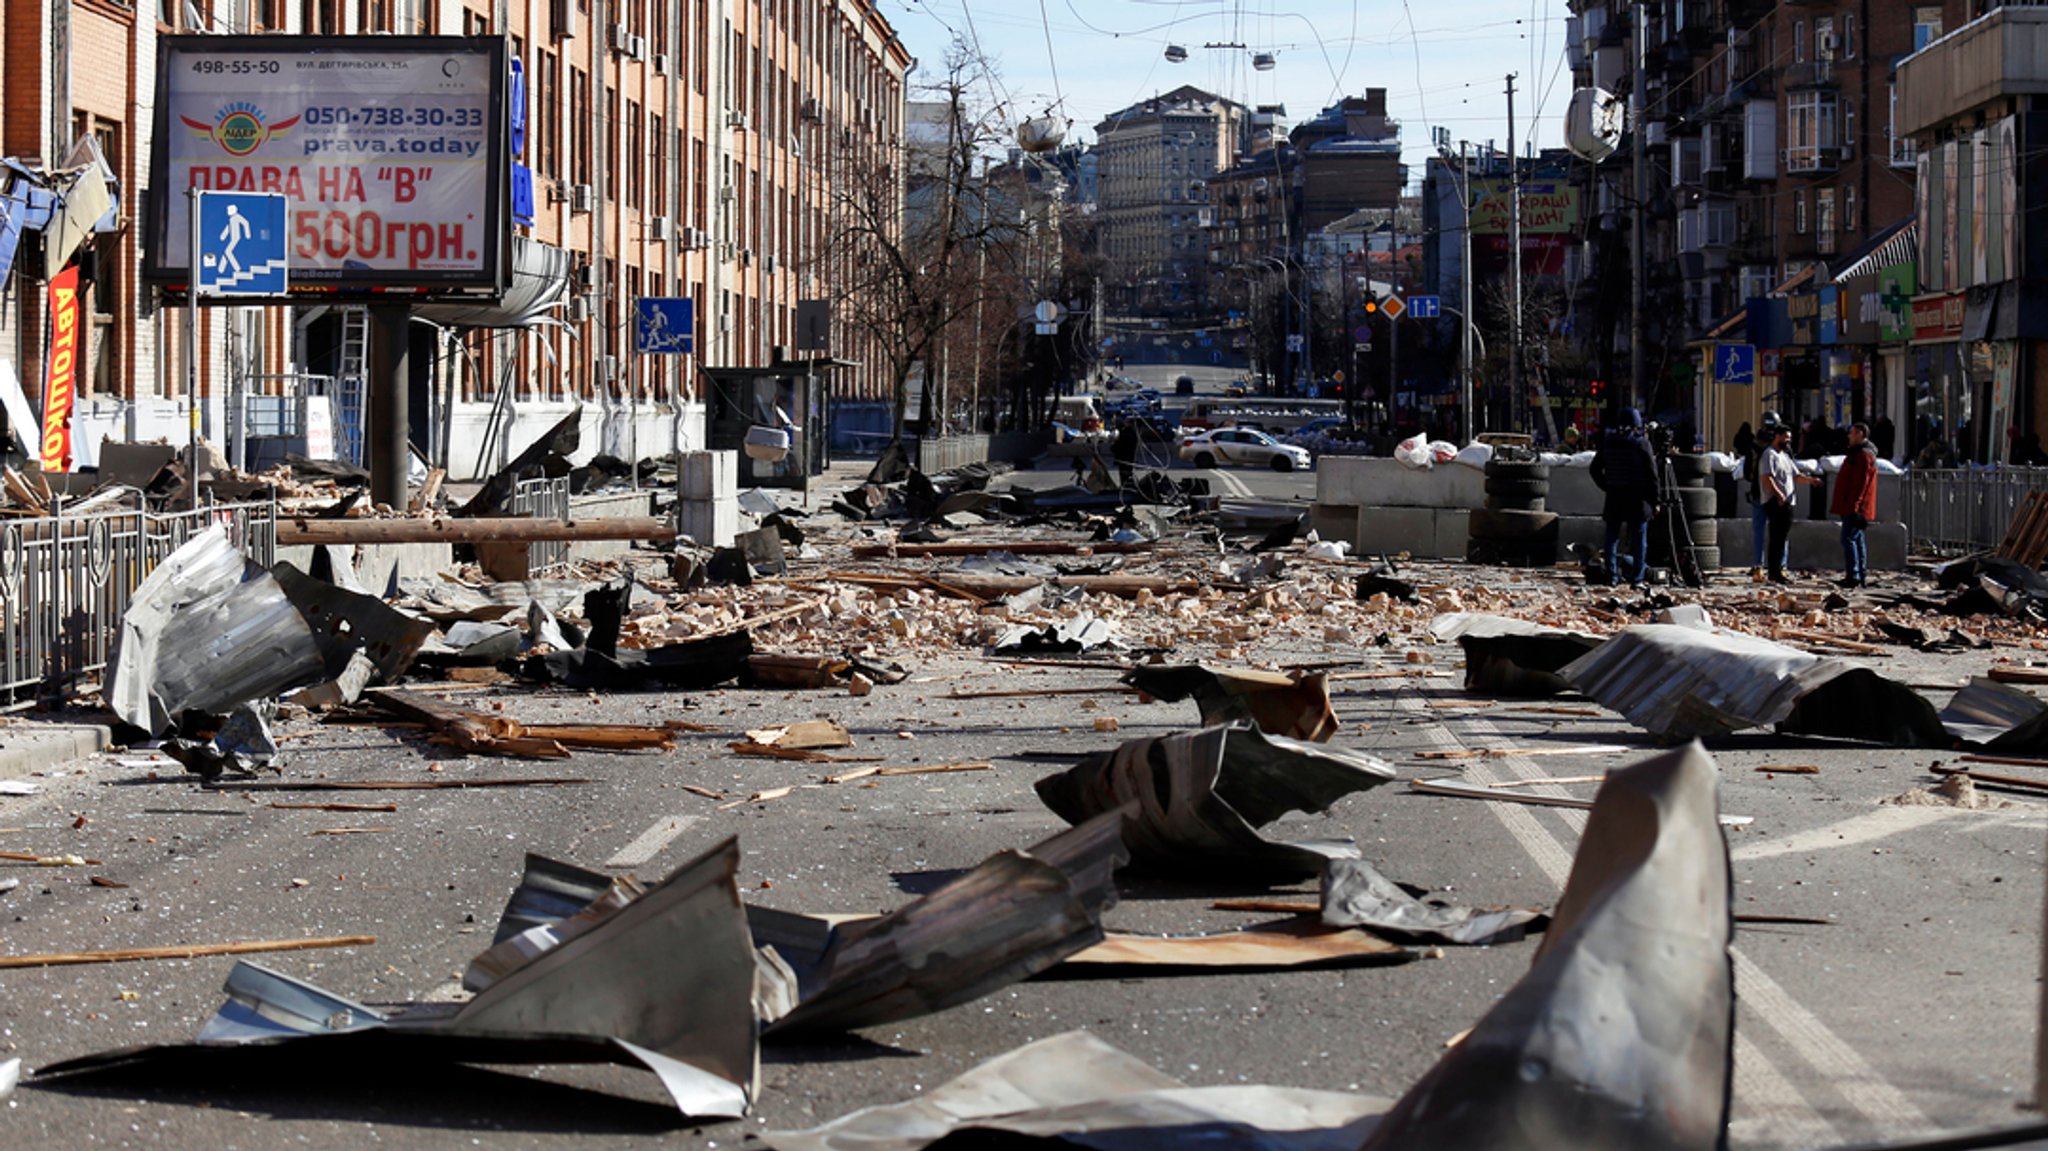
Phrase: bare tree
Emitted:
{"points": [[916, 239]]}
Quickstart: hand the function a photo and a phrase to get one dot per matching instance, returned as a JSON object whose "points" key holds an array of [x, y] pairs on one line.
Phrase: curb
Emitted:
{"points": [[36, 747]]}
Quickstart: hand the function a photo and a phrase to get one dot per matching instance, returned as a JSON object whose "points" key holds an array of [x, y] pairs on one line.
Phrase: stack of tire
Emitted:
{"points": [[1694, 502], [1514, 529]]}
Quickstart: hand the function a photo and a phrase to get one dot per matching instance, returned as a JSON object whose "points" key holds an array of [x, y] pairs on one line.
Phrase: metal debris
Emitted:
{"points": [[1199, 796], [1074, 1090], [1622, 1033], [1072, 637], [1355, 895], [1296, 706]]}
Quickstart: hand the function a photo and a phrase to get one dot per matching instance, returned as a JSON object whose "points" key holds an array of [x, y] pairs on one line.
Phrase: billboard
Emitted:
{"points": [[1549, 207], [390, 150]]}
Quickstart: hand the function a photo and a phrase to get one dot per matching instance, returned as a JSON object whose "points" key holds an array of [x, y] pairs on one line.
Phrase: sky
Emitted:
{"points": [[1092, 57]]}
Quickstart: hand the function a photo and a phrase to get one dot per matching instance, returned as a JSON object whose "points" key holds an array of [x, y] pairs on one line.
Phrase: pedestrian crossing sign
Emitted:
{"points": [[241, 240]]}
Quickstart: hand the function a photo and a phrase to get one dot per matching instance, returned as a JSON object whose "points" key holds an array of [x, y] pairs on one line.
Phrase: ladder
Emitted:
{"points": [[351, 385]]}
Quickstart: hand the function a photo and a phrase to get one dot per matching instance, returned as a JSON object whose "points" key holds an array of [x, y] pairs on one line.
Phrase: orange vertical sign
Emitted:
{"points": [[60, 384]]}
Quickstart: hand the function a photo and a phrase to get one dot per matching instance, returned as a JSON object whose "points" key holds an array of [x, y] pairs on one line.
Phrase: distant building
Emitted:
{"points": [[1154, 160]]}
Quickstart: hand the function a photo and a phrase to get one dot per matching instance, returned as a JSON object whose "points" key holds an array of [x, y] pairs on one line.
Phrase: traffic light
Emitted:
{"points": [[1598, 390], [1372, 303]]}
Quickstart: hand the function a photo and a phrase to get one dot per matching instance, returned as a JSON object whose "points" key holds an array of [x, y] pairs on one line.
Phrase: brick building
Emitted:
{"points": [[1155, 158], [683, 149]]}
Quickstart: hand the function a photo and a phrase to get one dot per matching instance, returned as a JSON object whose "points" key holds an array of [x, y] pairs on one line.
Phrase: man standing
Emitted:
{"points": [[1780, 479], [1125, 450], [1855, 501], [1625, 470]]}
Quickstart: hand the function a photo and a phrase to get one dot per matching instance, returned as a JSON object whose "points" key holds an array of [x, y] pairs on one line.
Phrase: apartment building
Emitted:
{"points": [[1155, 158], [685, 148]]}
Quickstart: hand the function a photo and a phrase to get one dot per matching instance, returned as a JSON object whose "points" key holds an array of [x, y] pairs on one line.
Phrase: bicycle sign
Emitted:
{"points": [[664, 326]]}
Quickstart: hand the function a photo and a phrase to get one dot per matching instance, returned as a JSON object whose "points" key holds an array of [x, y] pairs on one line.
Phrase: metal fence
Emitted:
{"points": [[1956, 510], [66, 582], [543, 499]]}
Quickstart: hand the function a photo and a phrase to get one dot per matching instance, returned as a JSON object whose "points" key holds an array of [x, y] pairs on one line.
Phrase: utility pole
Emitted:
{"points": [[1471, 420], [1514, 256], [1638, 105]]}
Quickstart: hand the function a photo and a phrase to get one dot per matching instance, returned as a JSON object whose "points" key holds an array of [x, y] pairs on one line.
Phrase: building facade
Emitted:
{"points": [[1154, 161], [676, 149]]}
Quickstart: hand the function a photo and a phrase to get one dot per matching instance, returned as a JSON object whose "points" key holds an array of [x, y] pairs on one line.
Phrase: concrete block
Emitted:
{"points": [[712, 523], [1816, 545], [1572, 493], [1390, 530], [1379, 481], [710, 475], [1335, 522], [1453, 529]]}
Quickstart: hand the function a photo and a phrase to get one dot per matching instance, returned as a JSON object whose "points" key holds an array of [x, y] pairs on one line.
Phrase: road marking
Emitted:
{"points": [[651, 841], [1846, 1071], [1871, 825], [1231, 484], [1769, 1101]]}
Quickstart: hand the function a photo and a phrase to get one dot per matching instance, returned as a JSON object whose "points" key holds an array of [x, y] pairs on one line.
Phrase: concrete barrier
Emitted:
{"points": [[1376, 481]]}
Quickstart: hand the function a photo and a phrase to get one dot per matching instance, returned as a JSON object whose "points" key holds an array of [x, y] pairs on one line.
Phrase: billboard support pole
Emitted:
{"points": [[389, 460], [192, 343]]}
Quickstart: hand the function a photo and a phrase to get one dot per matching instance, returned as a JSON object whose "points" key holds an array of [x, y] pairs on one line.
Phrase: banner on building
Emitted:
{"points": [[60, 381], [1549, 208], [390, 149]]}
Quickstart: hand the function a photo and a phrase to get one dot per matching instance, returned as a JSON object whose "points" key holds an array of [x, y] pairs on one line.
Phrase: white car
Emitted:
{"points": [[1220, 446]]}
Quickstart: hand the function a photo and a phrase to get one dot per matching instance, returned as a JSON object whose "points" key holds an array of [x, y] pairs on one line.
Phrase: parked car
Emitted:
{"points": [[1236, 389], [1242, 446], [1313, 429]]}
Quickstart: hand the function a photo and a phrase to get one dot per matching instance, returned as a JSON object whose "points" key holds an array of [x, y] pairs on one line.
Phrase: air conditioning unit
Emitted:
{"points": [[578, 310], [1827, 43], [607, 367], [657, 228], [768, 264], [636, 47], [691, 239], [746, 257], [736, 119], [661, 63], [725, 190], [811, 111], [586, 277], [622, 37], [581, 199]]}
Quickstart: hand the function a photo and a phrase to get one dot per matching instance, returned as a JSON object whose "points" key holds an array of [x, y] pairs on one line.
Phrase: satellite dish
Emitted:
{"points": [[1593, 124], [1175, 53], [1041, 134]]}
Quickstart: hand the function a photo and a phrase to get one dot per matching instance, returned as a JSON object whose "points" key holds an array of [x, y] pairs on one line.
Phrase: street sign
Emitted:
{"points": [[1294, 343], [1393, 307], [813, 325], [664, 325], [242, 248], [1425, 307], [1735, 364], [1362, 334]]}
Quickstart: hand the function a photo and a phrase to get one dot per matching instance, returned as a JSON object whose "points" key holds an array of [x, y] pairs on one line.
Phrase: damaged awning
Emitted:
{"points": [[539, 285]]}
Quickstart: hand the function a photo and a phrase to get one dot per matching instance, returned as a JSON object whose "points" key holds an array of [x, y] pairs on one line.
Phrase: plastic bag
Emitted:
{"points": [[1414, 451], [1442, 451], [1476, 455]]}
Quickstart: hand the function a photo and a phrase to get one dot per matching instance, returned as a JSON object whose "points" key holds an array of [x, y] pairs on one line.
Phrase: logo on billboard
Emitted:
{"points": [[240, 128]]}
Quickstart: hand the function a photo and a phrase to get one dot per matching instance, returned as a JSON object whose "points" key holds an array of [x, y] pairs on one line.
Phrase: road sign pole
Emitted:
{"points": [[633, 408], [192, 344]]}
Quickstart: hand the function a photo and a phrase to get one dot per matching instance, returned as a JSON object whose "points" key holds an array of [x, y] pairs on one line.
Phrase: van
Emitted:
{"points": [[1081, 413]]}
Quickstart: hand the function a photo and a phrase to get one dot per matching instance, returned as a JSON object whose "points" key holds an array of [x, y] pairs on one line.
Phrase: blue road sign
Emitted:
{"points": [[664, 326], [1735, 363], [242, 244], [1425, 307]]}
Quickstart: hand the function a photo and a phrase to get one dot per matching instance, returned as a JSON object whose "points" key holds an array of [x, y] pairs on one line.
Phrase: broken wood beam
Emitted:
{"points": [[465, 731], [2020, 782], [196, 951], [389, 784], [1014, 547], [444, 530], [2014, 673]]}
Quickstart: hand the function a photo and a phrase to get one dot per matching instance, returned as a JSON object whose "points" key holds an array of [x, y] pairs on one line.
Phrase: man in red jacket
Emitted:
{"points": [[1856, 503]]}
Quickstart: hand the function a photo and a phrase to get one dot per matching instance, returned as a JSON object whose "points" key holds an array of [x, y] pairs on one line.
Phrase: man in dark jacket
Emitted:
{"points": [[1625, 469], [1855, 501]]}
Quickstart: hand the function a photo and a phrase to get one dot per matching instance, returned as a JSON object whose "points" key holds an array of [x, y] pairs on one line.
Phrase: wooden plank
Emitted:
{"points": [[196, 951], [2015, 673], [1025, 547], [2020, 782], [499, 529], [1461, 790]]}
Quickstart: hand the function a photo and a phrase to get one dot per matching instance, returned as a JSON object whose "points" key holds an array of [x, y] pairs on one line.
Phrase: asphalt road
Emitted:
{"points": [[1913, 1009]]}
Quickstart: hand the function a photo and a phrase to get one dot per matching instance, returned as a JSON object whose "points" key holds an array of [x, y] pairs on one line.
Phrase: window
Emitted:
{"points": [[1824, 46], [320, 17], [1799, 212], [703, 40], [636, 154], [550, 117], [1926, 25], [658, 128], [426, 17], [1812, 132], [267, 15], [1799, 41], [1824, 220], [579, 120], [1848, 36], [1902, 155], [1849, 220], [702, 167]]}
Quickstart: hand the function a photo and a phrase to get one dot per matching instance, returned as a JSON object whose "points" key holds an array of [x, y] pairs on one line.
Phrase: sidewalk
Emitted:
{"points": [[28, 746]]}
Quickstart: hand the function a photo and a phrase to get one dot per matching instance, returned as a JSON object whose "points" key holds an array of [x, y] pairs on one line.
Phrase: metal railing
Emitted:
{"points": [[543, 499], [1951, 511], [67, 581]]}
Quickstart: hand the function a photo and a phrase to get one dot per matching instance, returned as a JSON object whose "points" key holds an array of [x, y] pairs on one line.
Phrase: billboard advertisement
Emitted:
{"points": [[1549, 207], [389, 149], [60, 382]]}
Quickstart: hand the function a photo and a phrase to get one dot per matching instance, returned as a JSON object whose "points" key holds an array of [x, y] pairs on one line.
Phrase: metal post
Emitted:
{"points": [[1514, 257], [192, 344], [389, 458], [1465, 298], [631, 350], [1638, 104]]}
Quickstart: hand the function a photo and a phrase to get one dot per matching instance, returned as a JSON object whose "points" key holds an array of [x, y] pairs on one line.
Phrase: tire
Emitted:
{"points": [[1517, 469], [1281, 464], [1512, 504], [1517, 487], [1705, 533], [1707, 559], [1511, 526], [1205, 460], [1698, 503], [1691, 470]]}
